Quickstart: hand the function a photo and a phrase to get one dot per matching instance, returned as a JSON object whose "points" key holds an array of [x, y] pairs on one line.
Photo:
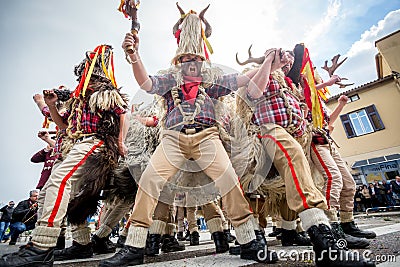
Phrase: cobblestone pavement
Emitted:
{"points": [[385, 249]]}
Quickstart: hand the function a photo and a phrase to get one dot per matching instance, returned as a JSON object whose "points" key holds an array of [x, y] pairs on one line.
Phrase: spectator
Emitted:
{"points": [[24, 216], [380, 193], [367, 197], [396, 188], [373, 192], [45, 155], [388, 193], [6, 218], [358, 203]]}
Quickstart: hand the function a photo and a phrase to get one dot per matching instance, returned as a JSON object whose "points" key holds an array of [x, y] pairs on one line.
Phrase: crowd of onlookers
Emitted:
{"points": [[377, 194], [18, 219]]}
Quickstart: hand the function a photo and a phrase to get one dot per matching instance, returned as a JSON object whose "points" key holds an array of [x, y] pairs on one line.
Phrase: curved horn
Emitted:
{"points": [[180, 9], [176, 26], [251, 59], [208, 29]]}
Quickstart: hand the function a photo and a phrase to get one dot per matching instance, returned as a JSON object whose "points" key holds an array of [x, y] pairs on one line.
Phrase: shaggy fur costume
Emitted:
{"points": [[99, 166]]}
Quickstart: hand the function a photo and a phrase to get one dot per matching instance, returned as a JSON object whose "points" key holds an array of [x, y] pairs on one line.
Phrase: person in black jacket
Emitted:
{"points": [[395, 185], [6, 218], [24, 216]]}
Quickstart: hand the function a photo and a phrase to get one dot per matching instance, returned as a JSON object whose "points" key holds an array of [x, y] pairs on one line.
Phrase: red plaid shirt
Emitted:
{"points": [[89, 120], [271, 108], [162, 85]]}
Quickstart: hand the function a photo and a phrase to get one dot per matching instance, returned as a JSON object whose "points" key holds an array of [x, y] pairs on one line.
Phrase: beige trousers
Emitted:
{"points": [[339, 187], [175, 148], [58, 191], [290, 161], [112, 213]]}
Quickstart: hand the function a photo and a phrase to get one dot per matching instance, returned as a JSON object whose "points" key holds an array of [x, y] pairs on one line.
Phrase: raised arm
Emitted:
{"points": [[274, 59], [38, 98], [332, 80], [342, 101], [139, 71], [50, 99]]}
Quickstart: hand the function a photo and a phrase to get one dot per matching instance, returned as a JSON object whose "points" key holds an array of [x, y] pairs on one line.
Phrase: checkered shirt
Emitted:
{"points": [[89, 120], [162, 85], [271, 108]]}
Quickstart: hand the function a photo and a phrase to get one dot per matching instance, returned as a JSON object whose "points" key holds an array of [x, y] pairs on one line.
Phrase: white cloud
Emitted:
{"points": [[360, 65]]}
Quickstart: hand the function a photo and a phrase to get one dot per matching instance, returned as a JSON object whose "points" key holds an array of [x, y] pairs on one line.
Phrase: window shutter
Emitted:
{"points": [[374, 118], [348, 128]]}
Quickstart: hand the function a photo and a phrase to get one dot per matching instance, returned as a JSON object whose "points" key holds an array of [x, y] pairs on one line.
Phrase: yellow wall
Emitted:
{"points": [[389, 48], [386, 98]]}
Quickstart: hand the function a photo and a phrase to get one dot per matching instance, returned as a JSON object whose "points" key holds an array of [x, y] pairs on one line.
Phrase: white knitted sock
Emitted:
{"points": [[136, 237], [332, 215], [45, 237], [289, 225], [103, 231], [215, 225], [313, 216], [82, 235], [245, 232], [346, 216], [157, 227]]}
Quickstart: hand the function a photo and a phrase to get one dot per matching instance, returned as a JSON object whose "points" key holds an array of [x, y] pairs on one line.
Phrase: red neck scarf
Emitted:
{"points": [[190, 88]]}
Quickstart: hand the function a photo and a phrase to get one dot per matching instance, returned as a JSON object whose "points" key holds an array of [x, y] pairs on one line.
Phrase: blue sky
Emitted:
{"points": [[42, 40]]}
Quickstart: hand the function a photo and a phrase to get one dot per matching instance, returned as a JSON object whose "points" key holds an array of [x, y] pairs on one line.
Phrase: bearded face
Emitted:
{"points": [[191, 65], [290, 60]]}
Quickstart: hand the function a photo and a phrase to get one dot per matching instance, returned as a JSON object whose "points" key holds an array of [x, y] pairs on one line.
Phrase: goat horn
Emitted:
{"points": [[208, 29], [176, 26]]}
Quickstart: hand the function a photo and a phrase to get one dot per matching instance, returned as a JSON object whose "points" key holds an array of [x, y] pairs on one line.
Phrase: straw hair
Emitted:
{"points": [[191, 41]]}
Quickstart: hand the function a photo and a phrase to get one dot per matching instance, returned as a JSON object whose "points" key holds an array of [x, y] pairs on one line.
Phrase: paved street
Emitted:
{"points": [[385, 249]]}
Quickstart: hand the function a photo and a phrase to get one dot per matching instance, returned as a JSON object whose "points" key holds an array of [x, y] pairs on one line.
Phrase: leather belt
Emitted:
{"points": [[194, 130], [84, 138]]}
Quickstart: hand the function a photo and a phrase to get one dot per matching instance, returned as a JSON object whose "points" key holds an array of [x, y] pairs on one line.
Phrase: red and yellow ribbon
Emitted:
{"points": [[310, 91]]}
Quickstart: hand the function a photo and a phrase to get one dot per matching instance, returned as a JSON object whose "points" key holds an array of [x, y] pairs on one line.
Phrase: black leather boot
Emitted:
{"points": [[121, 241], [254, 250], [28, 255], [171, 244], [13, 241], [275, 231], [221, 242], [292, 238], [187, 236], [231, 238], [102, 245], [194, 238], [153, 244], [179, 236], [329, 252], [352, 241], [76, 251], [60, 243], [351, 228], [126, 256], [260, 237]]}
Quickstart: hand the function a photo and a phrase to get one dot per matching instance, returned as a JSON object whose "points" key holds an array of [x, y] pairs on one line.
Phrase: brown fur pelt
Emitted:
{"points": [[98, 166], [123, 185]]}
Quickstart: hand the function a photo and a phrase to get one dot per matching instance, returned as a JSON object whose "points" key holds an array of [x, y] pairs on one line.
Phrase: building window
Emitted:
{"points": [[363, 121], [353, 98]]}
